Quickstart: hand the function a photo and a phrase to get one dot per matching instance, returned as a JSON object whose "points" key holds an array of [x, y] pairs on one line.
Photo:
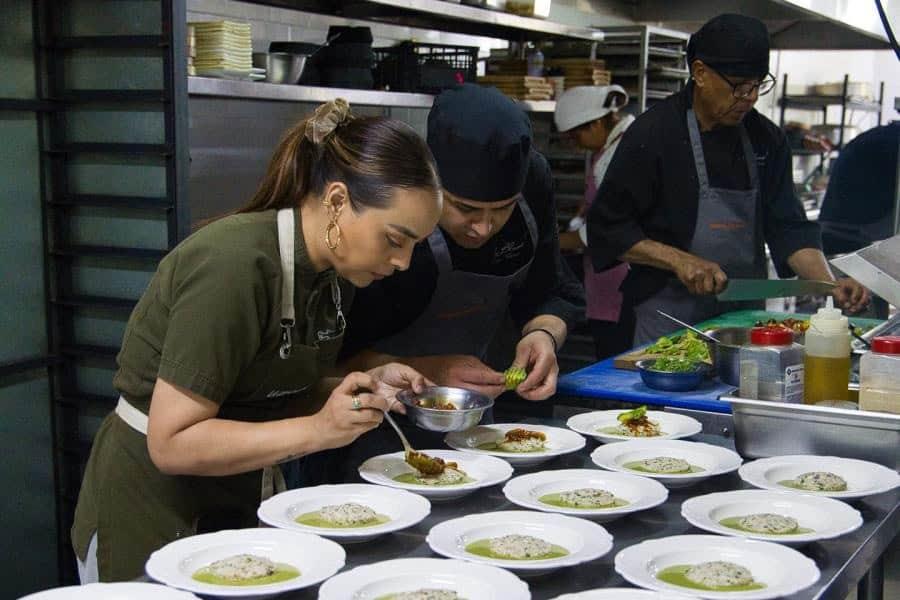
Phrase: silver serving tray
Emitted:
{"points": [[763, 429]]}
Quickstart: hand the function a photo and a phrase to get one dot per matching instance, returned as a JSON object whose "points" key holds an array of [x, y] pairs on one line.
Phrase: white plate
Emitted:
{"points": [[863, 478], [584, 540], [403, 508], [559, 441], [471, 581], [316, 558], [673, 425], [485, 470], [640, 492], [826, 517], [714, 460], [621, 594], [782, 570], [112, 591]]}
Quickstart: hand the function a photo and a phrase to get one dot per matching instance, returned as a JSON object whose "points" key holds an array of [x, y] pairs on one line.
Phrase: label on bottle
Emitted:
{"points": [[793, 383]]}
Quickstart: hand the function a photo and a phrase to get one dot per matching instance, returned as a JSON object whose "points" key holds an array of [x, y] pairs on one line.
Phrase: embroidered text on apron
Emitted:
{"points": [[725, 233]]}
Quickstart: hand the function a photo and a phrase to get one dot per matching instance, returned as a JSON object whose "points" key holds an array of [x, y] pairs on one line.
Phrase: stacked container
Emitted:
{"points": [[879, 376], [772, 366]]}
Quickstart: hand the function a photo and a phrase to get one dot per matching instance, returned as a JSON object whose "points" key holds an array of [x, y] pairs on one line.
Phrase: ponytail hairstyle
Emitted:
{"points": [[372, 156]]}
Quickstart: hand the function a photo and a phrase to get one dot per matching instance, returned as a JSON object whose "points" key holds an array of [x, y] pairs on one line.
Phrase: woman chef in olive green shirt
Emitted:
{"points": [[221, 371]]}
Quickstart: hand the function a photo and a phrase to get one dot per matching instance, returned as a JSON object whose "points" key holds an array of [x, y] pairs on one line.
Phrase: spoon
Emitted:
{"points": [[691, 327], [424, 463]]}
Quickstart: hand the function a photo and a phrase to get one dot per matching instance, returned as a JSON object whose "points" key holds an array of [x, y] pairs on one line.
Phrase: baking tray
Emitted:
{"points": [[763, 429]]}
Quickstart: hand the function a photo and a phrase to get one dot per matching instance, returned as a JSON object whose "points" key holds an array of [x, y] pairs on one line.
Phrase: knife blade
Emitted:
{"points": [[757, 289]]}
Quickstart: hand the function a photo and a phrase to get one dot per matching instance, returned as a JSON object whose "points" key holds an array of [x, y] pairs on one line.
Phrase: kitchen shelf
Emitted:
{"points": [[26, 105], [111, 148], [445, 16], [109, 41], [114, 304], [148, 254], [817, 103], [108, 96], [94, 200], [254, 90], [86, 351]]}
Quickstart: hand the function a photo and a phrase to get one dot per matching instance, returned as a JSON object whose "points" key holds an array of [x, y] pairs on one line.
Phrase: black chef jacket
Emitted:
{"points": [[651, 190], [390, 305]]}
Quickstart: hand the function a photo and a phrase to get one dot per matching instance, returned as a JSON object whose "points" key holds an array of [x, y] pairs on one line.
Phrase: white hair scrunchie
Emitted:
{"points": [[326, 118]]}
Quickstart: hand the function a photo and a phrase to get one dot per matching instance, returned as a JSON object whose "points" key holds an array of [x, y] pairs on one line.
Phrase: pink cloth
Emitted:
{"points": [[601, 289]]}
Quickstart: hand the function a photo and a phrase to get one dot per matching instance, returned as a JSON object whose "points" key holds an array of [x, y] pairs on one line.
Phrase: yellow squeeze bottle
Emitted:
{"points": [[827, 361]]}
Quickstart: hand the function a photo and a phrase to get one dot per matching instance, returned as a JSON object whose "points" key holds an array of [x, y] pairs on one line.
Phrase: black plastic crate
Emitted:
{"points": [[424, 68]]}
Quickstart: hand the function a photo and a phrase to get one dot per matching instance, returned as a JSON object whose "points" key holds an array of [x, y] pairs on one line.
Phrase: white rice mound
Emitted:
{"points": [[531, 444], [665, 464], [821, 481], [719, 573], [587, 497], [768, 523], [428, 594], [519, 546], [447, 477], [346, 514], [241, 567]]}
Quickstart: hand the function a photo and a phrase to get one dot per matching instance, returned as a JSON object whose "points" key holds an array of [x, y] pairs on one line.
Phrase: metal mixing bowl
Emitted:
{"points": [[281, 67], [726, 354], [470, 407], [671, 382]]}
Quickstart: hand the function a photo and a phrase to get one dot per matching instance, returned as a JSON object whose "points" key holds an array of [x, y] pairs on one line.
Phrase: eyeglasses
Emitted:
{"points": [[745, 89]]}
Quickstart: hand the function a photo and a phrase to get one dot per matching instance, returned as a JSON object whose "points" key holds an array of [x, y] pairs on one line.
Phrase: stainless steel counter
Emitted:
{"points": [[843, 562]]}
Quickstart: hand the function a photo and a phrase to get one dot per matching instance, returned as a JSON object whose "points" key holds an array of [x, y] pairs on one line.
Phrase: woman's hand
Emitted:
{"points": [[395, 377], [351, 410], [536, 354]]}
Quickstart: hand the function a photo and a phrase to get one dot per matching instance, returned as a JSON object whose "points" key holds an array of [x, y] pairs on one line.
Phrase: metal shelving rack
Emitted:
{"points": [[821, 103], [62, 97], [649, 62]]}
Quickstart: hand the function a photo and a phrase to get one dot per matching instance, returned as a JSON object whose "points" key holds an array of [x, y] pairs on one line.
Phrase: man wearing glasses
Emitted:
{"points": [[700, 184]]}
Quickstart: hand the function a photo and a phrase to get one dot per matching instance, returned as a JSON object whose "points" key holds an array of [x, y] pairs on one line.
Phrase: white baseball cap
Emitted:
{"points": [[580, 105]]}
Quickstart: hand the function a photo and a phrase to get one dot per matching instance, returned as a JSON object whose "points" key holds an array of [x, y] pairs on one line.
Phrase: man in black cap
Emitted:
{"points": [[494, 257], [700, 184]]}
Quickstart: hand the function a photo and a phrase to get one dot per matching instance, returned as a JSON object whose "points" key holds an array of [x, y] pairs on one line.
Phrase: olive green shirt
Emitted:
{"points": [[208, 322]]}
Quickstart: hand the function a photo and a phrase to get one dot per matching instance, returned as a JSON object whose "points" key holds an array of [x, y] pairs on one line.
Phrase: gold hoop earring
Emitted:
{"points": [[333, 227]]}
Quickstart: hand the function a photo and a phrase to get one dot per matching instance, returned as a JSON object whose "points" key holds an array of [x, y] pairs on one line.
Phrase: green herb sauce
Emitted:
{"points": [[283, 572], [676, 576], [636, 466], [314, 519], [411, 478], [556, 500], [734, 523], [483, 548]]}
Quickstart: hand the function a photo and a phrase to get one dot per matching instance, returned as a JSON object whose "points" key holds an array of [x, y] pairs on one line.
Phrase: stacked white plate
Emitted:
{"points": [[712, 460], [780, 570], [383, 579], [640, 493], [314, 557], [223, 49], [559, 441], [112, 591], [485, 471], [863, 478], [672, 425], [621, 594], [817, 518], [583, 540], [403, 509]]}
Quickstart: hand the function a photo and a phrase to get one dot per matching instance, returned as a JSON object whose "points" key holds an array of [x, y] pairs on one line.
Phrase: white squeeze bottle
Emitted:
{"points": [[827, 362]]}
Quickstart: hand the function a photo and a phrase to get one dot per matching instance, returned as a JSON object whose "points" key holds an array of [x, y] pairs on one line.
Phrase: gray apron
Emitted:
{"points": [[464, 316], [725, 233], [466, 309]]}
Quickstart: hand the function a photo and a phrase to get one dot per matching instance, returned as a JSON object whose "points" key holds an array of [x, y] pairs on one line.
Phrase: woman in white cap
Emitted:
{"points": [[591, 116]]}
